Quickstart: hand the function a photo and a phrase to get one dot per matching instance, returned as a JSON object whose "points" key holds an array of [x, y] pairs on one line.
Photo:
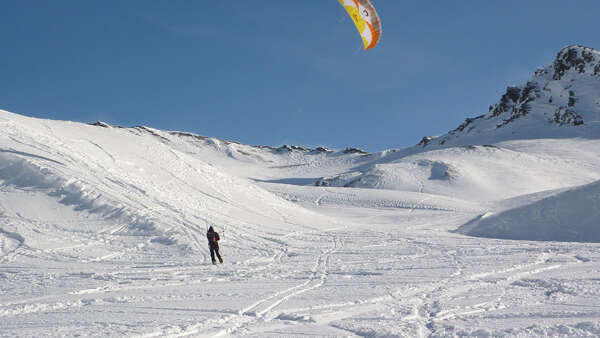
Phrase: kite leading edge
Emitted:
{"points": [[366, 20]]}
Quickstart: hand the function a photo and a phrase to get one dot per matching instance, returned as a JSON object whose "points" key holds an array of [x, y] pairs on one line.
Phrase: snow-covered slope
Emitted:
{"points": [[102, 228], [483, 173], [135, 179], [293, 164], [568, 216], [542, 135], [561, 100]]}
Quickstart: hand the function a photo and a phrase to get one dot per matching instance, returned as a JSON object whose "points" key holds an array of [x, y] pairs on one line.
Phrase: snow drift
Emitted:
{"points": [[568, 216], [136, 177]]}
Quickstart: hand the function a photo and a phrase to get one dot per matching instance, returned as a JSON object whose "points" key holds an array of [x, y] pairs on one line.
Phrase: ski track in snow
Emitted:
{"points": [[429, 303], [425, 300]]}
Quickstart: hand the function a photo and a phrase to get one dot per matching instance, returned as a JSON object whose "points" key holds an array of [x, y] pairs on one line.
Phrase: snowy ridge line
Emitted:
{"points": [[23, 173], [284, 157]]}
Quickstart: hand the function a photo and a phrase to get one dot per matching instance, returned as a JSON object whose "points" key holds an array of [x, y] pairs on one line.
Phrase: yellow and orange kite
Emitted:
{"points": [[366, 20]]}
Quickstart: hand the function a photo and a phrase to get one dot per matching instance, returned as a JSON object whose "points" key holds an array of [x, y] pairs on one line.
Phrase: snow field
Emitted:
{"points": [[102, 234]]}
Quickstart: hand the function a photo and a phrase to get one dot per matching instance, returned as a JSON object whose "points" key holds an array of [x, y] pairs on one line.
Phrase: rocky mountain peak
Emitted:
{"points": [[577, 58], [565, 93]]}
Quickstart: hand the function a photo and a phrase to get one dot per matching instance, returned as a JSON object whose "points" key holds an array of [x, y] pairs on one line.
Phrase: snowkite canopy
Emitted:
{"points": [[366, 20]]}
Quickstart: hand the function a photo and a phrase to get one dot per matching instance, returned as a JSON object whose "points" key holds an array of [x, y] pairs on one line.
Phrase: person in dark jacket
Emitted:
{"points": [[213, 244]]}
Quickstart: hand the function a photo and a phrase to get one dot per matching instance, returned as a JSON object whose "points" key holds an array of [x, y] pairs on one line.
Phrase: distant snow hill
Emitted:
{"points": [[543, 135], [569, 215], [146, 182], [522, 162]]}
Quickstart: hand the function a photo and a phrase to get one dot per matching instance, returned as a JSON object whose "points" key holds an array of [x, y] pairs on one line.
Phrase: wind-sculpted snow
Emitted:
{"points": [[569, 216], [133, 178], [9, 241], [15, 170], [18, 172]]}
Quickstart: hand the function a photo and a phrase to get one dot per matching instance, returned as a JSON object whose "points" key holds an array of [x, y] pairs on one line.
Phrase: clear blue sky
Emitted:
{"points": [[271, 72]]}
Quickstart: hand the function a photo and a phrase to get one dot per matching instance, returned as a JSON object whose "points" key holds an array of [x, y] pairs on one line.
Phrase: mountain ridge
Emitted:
{"points": [[561, 102], [564, 93]]}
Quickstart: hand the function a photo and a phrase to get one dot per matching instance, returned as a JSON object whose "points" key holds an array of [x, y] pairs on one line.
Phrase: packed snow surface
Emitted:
{"points": [[102, 233]]}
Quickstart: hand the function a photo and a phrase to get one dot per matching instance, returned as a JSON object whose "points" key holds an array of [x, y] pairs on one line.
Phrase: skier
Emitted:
{"points": [[213, 244]]}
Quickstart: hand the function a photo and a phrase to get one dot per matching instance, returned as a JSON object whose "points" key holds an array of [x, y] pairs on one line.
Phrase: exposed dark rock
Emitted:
{"points": [[101, 124], [515, 102], [467, 122], [184, 134], [548, 86], [572, 99], [284, 148], [354, 151], [151, 132], [564, 116], [322, 150], [569, 58], [289, 148], [425, 141], [541, 72]]}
